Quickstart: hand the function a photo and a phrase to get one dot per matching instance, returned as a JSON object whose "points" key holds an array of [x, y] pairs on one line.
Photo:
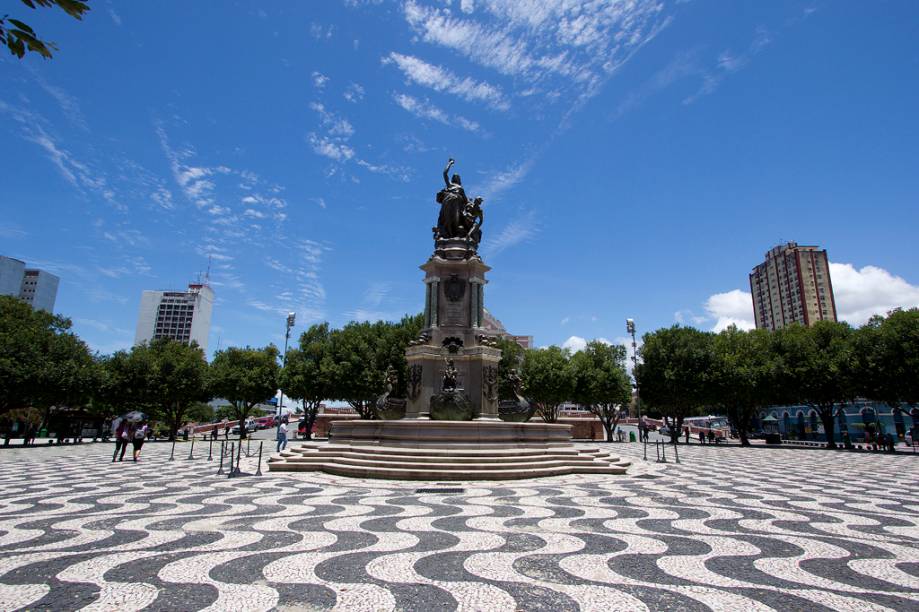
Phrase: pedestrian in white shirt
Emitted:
{"points": [[282, 435]]}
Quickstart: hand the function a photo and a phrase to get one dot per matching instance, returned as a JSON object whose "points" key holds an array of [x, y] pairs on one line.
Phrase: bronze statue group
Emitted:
{"points": [[459, 217]]}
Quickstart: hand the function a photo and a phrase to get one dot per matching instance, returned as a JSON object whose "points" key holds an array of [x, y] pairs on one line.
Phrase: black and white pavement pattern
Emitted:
{"points": [[727, 529]]}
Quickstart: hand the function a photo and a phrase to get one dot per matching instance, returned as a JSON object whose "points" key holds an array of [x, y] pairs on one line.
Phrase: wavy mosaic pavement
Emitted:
{"points": [[727, 529]]}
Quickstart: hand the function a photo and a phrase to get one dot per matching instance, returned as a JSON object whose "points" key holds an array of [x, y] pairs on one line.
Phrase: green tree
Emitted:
{"points": [[511, 359], [887, 354], [742, 378], [19, 37], [360, 354], [548, 380], [601, 382], [817, 367], [306, 374], [200, 412], [672, 374], [42, 363], [244, 377], [176, 379]]}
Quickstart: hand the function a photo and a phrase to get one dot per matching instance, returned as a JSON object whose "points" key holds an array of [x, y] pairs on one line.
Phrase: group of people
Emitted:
{"points": [[129, 433]]}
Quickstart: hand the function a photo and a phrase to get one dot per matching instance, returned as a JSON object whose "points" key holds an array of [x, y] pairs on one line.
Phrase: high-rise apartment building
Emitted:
{"points": [[37, 288], [180, 315], [792, 286]]}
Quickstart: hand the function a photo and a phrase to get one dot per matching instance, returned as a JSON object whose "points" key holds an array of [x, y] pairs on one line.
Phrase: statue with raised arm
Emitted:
{"points": [[453, 201]]}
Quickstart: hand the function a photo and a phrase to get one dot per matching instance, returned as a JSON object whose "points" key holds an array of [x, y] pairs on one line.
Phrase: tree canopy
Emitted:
{"points": [[548, 380], [817, 367], [307, 372], [601, 382], [743, 376], [360, 355], [42, 363], [672, 375], [244, 377]]}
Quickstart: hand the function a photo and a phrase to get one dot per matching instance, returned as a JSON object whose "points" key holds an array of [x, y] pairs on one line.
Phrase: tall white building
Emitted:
{"points": [[180, 315], [36, 288]]}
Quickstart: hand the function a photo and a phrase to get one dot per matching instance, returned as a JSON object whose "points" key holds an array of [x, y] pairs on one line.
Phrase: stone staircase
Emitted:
{"points": [[446, 463]]}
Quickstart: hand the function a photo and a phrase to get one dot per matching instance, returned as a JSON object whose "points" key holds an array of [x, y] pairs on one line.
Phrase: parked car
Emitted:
{"points": [[250, 427]]}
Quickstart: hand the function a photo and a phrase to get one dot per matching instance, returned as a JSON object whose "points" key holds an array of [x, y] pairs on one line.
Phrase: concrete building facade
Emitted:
{"points": [[39, 289], [793, 285], [180, 315], [36, 288], [11, 273]]}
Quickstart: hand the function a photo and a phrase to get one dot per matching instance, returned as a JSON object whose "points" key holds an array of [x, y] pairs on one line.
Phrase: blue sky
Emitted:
{"points": [[637, 159]]}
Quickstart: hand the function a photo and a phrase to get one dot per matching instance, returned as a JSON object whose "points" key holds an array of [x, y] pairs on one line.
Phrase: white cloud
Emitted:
{"points": [[319, 80], [441, 79], [376, 293], [729, 63], [730, 308], [354, 93], [859, 294], [321, 32], [333, 124], [337, 151], [507, 178], [577, 343], [582, 41], [425, 110], [862, 293], [518, 231]]}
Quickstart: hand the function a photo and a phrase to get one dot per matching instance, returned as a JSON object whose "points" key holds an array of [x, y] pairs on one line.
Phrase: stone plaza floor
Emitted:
{"points": [[727, 529]]}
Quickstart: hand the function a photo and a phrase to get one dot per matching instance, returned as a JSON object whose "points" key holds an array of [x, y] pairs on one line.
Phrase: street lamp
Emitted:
{"points": [[630, 329], [291, 319]]}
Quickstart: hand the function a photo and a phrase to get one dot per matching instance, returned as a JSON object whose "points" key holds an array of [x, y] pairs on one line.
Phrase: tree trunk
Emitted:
{"points": [[826, 415]]}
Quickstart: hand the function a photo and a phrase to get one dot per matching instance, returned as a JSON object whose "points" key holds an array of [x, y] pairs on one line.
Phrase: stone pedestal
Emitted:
{"points": [[454, 315]]}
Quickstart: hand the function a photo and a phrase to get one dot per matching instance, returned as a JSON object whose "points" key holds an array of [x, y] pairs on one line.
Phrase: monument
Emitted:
{"points": [[451, 424]]}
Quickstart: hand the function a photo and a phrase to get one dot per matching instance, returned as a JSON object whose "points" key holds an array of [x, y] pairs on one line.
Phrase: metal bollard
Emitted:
{"points": [[191, 451], [173, 451], [248, 445], [258, 472], [220, 470], [676, 452], [663, 452], [657, 450], [210, 450], [646, 448]]}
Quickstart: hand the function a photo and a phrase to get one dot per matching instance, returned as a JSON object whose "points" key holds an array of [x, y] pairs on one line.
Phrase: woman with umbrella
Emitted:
{"points": [[138, 431]]}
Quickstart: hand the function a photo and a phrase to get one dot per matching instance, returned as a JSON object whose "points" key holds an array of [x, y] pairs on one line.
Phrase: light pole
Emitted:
{"points": [[630, 329], [291, 318]]}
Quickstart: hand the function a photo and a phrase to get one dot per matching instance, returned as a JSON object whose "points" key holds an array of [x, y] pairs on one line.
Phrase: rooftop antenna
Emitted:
{"points": [[207, 275]]}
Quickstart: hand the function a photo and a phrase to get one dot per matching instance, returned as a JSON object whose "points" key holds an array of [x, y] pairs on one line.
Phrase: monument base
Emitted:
{"points": [[414, 449]]}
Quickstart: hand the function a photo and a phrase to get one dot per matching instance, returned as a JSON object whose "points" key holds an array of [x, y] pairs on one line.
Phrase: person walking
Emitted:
{"points": [[138, 438], [701, 437], [282, 435], [226, 429], [121, 440], [686, 432]]}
